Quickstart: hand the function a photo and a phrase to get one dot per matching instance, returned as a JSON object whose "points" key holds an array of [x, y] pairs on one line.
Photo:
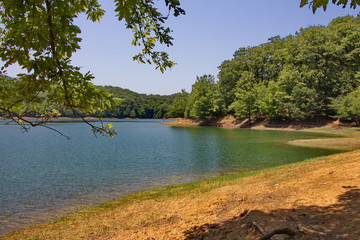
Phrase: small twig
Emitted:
{"points": [[94, 127], [245, 213], [46, 126], [27, 124], [308, 230], [256, 225]]}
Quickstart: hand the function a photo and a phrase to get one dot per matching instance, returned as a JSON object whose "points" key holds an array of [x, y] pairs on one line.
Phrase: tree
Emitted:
{"points": [[40, 36], [348, 107], [204, 100], [178, 106], [245, 104], [271, 100]]}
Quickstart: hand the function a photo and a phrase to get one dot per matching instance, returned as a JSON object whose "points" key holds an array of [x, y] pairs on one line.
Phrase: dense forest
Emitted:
{"points": [[315, 72], [135, 105]]}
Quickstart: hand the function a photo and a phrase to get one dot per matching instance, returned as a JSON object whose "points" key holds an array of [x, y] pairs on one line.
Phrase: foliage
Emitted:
{"points": [[204, 100], [295, 77], [179, 104], [324, 3], [41, 37], [137, 105], [348, 107]]}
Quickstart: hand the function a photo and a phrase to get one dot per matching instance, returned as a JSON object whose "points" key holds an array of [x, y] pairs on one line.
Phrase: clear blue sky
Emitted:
{"points": [[208, 34]]}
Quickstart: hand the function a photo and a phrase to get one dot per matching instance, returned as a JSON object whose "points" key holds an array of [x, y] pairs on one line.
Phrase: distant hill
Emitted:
{"points": [[137, 105]]}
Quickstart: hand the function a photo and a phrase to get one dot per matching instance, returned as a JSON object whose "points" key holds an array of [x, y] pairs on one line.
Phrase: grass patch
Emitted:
{"points": [[349, 141], [341, 144], [179, 190], [336, 131]]}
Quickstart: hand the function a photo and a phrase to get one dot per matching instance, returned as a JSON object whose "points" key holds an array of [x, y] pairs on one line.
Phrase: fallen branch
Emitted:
{"points": [[269, 235], [286, 231], [258, 227]]}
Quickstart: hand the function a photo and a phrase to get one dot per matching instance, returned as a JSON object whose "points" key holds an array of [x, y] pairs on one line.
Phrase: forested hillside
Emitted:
{"points": [[315, 72], [137, 105]]}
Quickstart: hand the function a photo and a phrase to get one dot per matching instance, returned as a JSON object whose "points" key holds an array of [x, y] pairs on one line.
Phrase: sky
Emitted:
{"points": [[209, 33]]}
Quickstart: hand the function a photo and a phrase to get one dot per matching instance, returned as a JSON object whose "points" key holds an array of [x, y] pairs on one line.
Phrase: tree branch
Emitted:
{"points": [[269, 235]]}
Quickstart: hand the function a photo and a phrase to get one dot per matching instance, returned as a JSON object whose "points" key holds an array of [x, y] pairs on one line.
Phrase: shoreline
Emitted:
{"points": [[344, 141], [147, 214], [232, 122]]}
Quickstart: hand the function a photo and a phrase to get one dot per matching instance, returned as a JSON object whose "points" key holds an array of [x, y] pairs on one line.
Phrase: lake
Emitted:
{"points": [[43, 175]]}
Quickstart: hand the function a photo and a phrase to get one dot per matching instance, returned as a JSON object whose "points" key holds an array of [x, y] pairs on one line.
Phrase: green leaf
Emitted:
{"points": [[303, 3]]}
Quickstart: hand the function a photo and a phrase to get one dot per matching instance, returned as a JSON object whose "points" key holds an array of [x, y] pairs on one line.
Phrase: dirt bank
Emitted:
{"points": [[231, 122]]}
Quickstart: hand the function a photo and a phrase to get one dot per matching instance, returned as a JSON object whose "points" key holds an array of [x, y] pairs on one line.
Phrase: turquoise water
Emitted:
{"points": [[43, 175]]}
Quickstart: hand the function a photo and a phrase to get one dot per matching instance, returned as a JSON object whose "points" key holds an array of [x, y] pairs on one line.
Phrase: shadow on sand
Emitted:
{"points": [[337, 221]]}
